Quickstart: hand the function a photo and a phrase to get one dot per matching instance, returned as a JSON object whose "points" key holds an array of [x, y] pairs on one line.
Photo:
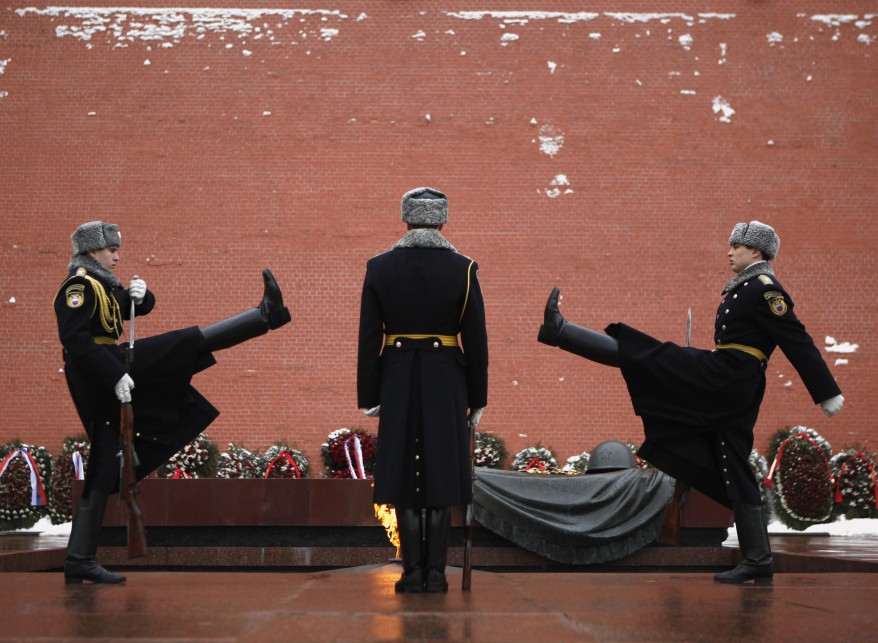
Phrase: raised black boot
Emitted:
{"points": [[557, 331], [268, 315], [438, 525], [408, 525], [81, 563], [755, 548]]}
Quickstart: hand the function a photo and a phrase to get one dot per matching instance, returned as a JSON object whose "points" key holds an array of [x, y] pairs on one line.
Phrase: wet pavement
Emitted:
{"points": [[359, 604], [813, 598]]}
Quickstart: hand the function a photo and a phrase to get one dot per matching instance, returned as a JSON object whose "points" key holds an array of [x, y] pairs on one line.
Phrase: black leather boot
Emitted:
{"points": [[81, 563], [268, 315], [438, 525], [408, 524], [755, 548], [557, 331]]}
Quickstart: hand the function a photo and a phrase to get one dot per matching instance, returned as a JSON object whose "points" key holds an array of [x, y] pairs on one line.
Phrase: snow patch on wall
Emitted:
{"points": [[551, 140], [721, 106], [836, 21], [170, 25], [833, 346], [556, 184], [523, 17]]}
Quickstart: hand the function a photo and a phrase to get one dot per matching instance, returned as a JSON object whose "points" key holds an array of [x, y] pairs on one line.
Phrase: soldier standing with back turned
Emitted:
{"points": [[429, 389]]}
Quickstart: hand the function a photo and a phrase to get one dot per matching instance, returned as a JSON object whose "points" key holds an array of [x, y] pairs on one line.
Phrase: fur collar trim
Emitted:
{"points": [[751, 271], [424, 238], [93, 267]]}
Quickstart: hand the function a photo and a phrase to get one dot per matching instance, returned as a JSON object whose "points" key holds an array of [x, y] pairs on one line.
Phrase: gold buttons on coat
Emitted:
{"points": [[435, 344], [399, 344]]}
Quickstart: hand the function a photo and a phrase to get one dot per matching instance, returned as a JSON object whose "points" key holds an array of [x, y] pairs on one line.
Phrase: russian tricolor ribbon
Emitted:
{"points": [[78, 466], [38, 494], [358, 458]]}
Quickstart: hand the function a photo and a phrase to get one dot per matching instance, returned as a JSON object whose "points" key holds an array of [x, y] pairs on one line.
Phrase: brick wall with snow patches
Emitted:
{"points": [[608, 151]]}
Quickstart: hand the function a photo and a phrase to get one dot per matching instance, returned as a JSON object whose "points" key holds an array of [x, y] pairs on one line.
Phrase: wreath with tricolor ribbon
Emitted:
{"points": [[25, 471], [349, 453], [68, 466]]}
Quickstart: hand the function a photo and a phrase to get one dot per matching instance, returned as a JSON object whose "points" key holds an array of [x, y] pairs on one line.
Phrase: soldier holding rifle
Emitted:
{"points": [[90, 307]]}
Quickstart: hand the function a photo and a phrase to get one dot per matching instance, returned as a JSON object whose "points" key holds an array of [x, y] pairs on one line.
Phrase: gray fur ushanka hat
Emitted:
{"points": [[756, 235], [421, 207], [95, 235]]}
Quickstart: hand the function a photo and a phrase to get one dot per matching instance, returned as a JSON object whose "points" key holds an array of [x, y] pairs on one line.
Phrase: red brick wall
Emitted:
{"points": [[240, 140]]}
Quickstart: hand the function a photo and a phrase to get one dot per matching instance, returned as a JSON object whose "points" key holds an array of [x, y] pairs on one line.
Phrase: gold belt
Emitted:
{"points": [[446, 340], [755, 352], [109, 341]]}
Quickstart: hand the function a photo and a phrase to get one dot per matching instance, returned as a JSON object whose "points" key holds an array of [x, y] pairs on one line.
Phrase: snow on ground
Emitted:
{"points": [[861, 527]]}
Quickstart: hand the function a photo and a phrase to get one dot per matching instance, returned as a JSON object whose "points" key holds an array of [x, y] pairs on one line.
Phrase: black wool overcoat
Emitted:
{"points": [[168, 411], [699, 407], [424, 388]]}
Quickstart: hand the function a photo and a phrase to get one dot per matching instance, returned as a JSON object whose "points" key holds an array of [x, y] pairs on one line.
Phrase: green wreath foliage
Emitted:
{"points": [[577, 464], [802, 485], [759, 467], [534, 459], [277, 465], [240, 463], [60, 490], [855, 478], [490, 451], [197, 459]]}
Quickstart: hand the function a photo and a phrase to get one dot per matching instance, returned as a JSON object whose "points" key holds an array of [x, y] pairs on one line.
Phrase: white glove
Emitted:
{"points": [[137, 289], [373, 412], [123, 388], [474, 418], [832, 405]]}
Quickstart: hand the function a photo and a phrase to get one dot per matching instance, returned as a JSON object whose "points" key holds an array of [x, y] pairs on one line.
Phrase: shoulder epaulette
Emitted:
{"points": [[766, 280]]}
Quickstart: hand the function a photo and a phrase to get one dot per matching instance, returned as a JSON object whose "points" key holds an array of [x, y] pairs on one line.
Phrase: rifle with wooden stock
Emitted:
{"points": [[129, 487], [466, 582]]}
